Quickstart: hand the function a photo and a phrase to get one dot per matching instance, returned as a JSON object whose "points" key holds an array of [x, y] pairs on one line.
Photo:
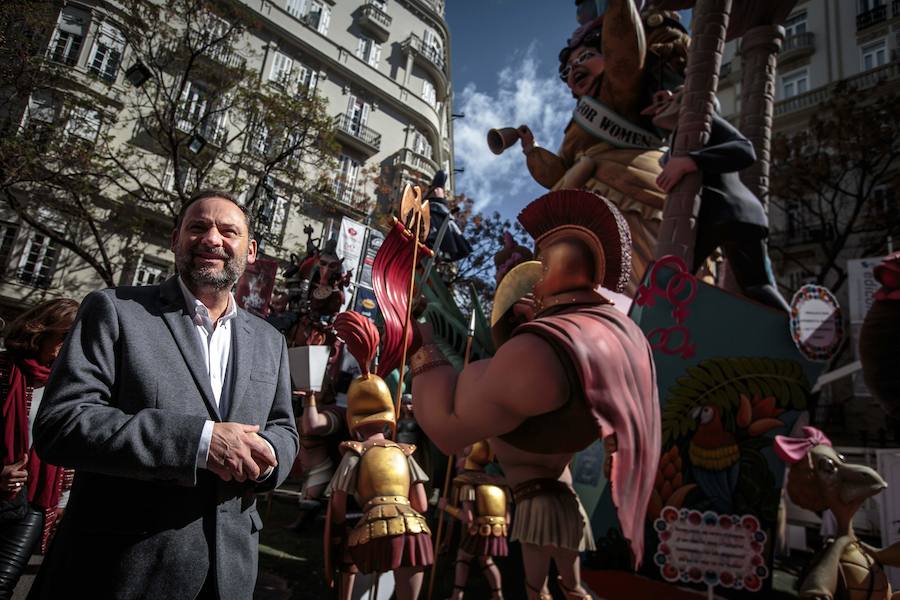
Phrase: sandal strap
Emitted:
{"points": [[541, 596], [569, 592]]}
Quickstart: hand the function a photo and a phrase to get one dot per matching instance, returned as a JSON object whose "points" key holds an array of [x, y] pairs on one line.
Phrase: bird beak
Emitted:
{"points": [[859, 482]]}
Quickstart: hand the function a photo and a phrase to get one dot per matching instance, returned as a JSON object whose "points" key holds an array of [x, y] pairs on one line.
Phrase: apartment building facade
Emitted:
{"points": [[826, 42], [382, 67]]}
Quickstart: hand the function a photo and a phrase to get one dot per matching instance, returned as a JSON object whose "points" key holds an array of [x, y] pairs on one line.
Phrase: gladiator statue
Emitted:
{"points": [[321, 295], [480, 502], [608, 147], [382, 476], [321, 429], [583, 371]]}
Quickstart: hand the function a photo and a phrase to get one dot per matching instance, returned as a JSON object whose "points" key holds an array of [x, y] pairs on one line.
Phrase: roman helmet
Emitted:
{"points": [[368, 398], [479, 456]]}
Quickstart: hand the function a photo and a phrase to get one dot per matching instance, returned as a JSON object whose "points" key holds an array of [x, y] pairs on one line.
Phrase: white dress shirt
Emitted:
{"points": [[215, 339]]}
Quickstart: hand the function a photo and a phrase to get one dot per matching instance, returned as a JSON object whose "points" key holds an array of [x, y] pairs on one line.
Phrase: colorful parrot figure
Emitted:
{"points": [[715, 458]]}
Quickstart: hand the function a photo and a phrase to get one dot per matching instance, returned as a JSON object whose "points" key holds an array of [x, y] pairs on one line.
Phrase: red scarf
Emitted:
{"points": [[44, 480]]}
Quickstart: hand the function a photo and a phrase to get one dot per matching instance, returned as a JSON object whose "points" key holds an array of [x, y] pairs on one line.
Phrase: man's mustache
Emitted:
{"points": [[218, 252]]}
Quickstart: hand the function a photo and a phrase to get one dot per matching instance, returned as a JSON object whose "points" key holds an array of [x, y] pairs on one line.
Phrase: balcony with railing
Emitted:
{"points": [[801, 235], [357, 135], [348, 197], [814, 98], [410, 160], [210, 129], [871, 17], [430, 57], [797, 45], [376, 21]]}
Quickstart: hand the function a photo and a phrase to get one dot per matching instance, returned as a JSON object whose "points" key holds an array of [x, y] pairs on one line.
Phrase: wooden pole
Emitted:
{"points": [[446, 490]]}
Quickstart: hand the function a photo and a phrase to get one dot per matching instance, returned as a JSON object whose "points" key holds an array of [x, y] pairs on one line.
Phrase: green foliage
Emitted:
{"points": [[485, 234], [836, 177], [129, 177], [721, 382]]}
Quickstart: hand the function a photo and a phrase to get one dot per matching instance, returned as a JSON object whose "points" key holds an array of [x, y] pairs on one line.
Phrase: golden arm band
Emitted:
{"points": [[453, 511], [426, 358], [309, 400]]}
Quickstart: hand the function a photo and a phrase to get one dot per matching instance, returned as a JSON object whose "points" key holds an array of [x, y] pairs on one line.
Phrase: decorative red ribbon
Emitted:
{"points": [[391, 272]]}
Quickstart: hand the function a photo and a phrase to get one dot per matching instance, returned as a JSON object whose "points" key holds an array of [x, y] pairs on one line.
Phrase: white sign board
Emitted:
{"points": [[816, 324], [709, 548]]}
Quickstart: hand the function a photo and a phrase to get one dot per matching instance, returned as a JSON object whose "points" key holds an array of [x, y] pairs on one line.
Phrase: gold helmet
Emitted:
{"points": [[479, 456], [369, 401]]}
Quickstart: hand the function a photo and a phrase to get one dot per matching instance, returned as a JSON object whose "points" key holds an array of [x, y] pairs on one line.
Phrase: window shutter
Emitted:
{"points": [[361, 48], [324, 20], [364, 117], [74, 21], [375, 56]]}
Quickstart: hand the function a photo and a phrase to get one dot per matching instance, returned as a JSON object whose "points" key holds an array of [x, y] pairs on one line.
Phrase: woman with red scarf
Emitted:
{"points": [[30, 489]]}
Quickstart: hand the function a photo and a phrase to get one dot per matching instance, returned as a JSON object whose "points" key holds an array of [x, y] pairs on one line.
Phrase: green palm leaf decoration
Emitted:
{"points": [[721, 382]]}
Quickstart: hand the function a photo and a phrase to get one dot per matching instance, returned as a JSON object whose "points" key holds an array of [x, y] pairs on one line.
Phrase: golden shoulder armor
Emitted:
{"points": [[383, 471]]}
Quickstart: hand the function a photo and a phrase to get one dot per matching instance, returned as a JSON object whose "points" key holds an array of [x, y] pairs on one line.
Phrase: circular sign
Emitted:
{"points": [[816, 324]]}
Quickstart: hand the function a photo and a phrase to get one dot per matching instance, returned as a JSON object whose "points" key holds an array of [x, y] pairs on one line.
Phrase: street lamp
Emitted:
{"points": [[138, 74], [196, 143]]}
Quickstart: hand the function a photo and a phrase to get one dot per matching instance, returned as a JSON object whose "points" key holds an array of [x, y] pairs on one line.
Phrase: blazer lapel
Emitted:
{"points": [[242, 358], [174, 312]]}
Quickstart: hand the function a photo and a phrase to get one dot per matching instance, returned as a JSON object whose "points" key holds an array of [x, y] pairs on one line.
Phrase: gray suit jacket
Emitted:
{"points": [[125, 406]]}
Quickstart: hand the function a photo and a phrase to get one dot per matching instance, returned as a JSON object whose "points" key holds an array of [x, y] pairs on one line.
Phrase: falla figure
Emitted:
{"points": [[481, 504], [382, 476]]}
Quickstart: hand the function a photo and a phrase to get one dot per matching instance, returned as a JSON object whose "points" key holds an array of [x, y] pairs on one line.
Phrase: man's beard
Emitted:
{"points": [[207, 276]]}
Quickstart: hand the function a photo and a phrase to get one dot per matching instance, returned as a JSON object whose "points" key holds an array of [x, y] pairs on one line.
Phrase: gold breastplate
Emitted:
{"points": [[490, 509], [383, 488], [383, 471], [862, 575]]}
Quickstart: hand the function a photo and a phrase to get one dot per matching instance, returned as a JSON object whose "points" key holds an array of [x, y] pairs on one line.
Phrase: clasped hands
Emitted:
{"points": [[14, 476], [238, 452]]}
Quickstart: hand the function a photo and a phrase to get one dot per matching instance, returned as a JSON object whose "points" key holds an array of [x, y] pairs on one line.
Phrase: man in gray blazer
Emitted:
{"points": [[174, 406]]}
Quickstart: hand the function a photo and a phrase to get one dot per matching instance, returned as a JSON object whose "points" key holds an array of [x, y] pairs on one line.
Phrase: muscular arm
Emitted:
{"points": [[624, 50], [314, 422], [80, 426], [489, 397]]}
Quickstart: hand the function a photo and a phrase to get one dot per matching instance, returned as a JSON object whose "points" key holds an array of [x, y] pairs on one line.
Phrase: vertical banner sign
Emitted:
{"points": [[350, 244], [364, 300], [255, 287], [861, 288], [351, 238]]}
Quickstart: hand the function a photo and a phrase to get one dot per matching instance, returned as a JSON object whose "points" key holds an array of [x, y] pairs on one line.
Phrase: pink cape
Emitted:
{"points": [[614, 363]]}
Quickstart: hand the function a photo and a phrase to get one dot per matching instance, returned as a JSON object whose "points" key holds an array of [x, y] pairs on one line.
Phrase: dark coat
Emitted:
{"points": [[125, 405], [725, 200]]}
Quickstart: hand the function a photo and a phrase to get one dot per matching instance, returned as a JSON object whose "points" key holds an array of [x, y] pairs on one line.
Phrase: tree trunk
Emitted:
{"points": [[759, 57], [678, 229]]}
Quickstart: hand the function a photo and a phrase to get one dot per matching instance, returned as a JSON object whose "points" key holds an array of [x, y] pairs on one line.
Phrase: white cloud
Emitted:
{"points": [[522, 96]]}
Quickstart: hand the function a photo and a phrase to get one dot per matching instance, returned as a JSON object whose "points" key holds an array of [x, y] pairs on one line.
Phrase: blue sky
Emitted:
{"points": [[504, 65], [504, 71]]}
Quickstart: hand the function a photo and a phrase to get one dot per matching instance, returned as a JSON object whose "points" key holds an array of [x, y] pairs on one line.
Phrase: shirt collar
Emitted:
{"points": [[197, 309]]}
